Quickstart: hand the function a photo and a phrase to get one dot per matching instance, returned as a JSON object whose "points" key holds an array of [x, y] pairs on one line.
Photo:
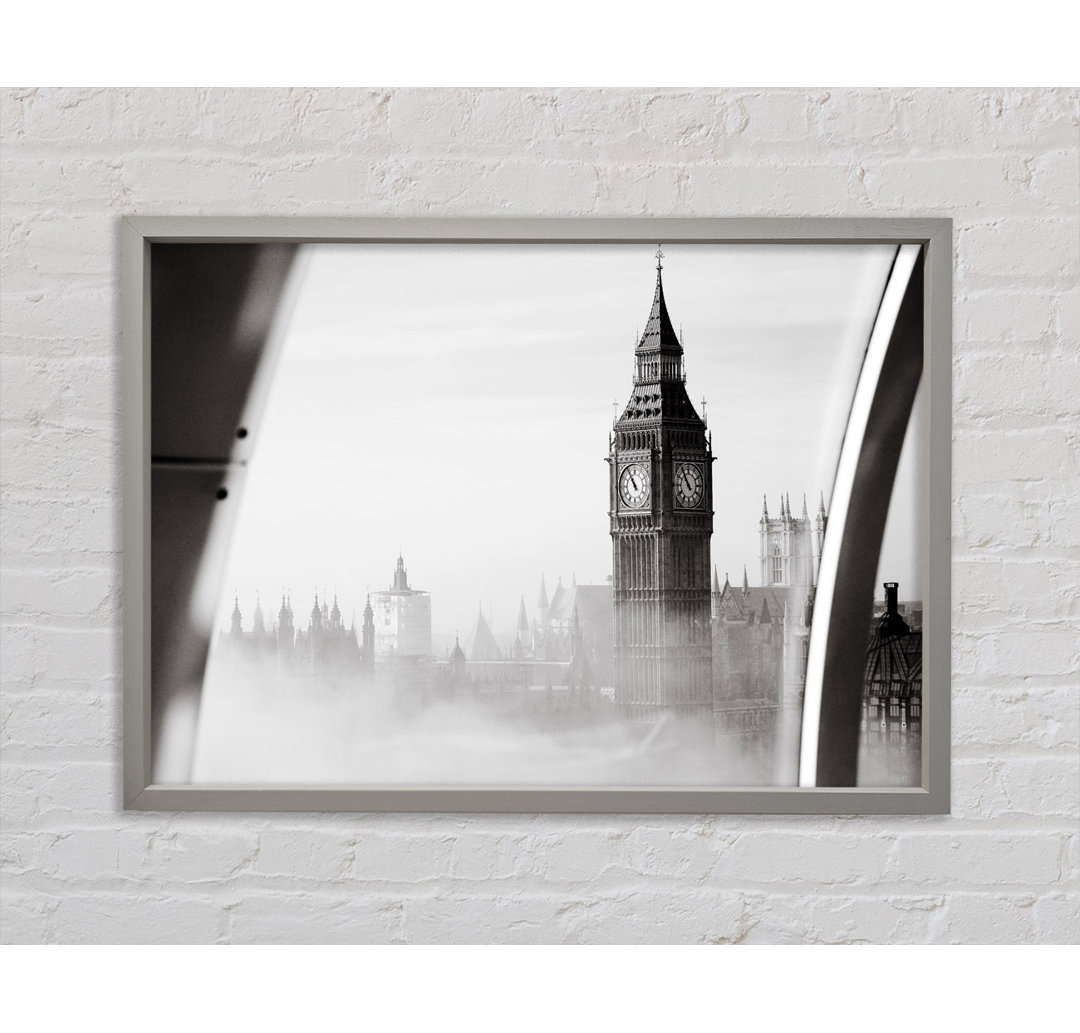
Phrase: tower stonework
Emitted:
{"points": [[791, 545], [661, 513]]}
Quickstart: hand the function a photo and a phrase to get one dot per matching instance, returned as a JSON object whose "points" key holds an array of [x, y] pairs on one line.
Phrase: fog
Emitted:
{"points": [[256, 728]]}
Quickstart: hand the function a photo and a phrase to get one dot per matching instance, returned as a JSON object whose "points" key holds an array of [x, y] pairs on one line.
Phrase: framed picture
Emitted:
{"points": [[629, 515]]}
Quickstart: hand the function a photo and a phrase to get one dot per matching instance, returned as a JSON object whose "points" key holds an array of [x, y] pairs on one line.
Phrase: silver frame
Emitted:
{"points": [[137, 233]]}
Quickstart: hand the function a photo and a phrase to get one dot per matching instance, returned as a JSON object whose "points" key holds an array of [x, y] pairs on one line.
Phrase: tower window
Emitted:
{"points": [[777, 565]]}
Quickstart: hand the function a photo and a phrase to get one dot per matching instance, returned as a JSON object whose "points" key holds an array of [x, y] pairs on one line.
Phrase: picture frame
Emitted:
{"points": [[143, 746]]}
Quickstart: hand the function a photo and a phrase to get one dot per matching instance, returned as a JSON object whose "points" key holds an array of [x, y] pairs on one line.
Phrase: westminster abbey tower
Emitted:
{"points": [[661, 511]]}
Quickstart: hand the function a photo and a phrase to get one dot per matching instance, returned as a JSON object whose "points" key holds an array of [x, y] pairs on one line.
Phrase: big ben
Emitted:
{"points": [[661, 512]]}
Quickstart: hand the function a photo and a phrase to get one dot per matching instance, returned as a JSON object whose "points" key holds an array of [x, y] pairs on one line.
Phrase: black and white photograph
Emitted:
{"points": [[534, 514]]}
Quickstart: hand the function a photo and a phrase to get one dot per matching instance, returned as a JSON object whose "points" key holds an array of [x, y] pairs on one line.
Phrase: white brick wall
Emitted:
{"points": [[1003, 867]]}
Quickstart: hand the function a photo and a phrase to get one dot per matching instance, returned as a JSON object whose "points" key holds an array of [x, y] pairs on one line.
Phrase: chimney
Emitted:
{"points": [[891, 622], [890, 598]]}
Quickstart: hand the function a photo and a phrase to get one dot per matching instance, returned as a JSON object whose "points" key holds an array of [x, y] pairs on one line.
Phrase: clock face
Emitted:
{"points": [[634, 486], [689, 485]]}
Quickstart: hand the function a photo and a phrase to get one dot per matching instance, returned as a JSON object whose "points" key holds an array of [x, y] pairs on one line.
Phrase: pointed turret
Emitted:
{"points": [[236, 630], [659, 352], [745, 581], [368, 636], [764, 509], [401, 576], [482, 644], [805, 514], [286, 631], [575, 633], [335, 614], [542, 602], [258, 621], [316, 620], [715, 580], [821, 507], [522, 621]]}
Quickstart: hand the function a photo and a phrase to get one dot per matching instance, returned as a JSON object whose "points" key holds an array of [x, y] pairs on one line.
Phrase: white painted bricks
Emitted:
{"points": [[1004, 867]]}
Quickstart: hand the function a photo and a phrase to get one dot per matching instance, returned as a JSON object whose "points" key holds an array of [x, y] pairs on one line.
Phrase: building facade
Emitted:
{"points": [[791, 545], [402, 619], [661, 514]]}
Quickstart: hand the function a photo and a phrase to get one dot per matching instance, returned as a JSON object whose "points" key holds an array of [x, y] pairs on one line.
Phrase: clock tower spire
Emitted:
{"points": [[660, 463]]}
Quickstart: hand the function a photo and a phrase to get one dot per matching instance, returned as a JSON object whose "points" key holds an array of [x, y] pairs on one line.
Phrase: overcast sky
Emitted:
{"points": [[455, 402]]}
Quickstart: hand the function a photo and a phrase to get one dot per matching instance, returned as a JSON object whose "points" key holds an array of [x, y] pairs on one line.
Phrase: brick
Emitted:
{"points": [[1019, 387], [78, 245], [987, 918], [1019, 251], [61, 592], [405, 859], [73, 718], [978, 859], [121, 917], [999, 316], [834, 919], [1046, 453], [789, 189], [1057, 918], [316, 918], [1024, 717], [325, 856], [777, 857], [993, 183]]}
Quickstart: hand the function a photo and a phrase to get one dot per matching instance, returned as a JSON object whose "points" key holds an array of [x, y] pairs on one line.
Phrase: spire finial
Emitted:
{"points": [[659, 257]]}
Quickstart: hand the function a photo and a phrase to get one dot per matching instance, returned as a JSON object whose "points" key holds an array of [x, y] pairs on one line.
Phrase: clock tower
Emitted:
{"points": [[660, 460]]}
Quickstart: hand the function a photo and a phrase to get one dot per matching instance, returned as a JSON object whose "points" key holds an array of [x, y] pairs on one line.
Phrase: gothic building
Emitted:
{"points": [[761, 634], [325, 647], [567, 645], [402, 619], [661, 512], [790, 545]]}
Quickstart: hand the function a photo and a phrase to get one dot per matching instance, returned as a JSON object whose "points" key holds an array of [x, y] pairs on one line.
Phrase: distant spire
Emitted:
{"points": [[715, 580], [236, 627], [821, 506], [805, 515], [542, 604], [483, 645], [764, 507], [523, 620], [745, 580], [401, 577], [258, 621]]}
